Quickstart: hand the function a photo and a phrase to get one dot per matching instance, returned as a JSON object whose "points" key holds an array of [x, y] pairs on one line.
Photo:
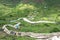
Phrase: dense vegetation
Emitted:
{"points": [[39, 9]]}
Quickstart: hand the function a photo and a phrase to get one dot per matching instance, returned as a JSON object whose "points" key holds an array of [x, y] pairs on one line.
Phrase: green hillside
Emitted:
{"points": [[48, 10]]}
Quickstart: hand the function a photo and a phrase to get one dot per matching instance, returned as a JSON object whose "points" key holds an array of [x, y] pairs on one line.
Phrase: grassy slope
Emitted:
{"points": [[46, 10]]}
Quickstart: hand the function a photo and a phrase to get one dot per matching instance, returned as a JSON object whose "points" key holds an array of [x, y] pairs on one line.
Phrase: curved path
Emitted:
{"points": [[31, 34], [25, 19], [39, 36], [33, 22]]}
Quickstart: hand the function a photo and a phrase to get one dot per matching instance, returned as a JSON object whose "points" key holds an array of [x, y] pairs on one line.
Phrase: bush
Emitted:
{"points": [[54, 30]]}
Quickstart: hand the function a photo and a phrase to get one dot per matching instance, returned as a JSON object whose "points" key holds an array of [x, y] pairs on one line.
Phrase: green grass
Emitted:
{"points": [[8, 37], [44, 10]]}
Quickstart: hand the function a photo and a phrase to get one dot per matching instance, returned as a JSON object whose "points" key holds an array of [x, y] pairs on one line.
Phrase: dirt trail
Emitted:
{"points": [[32, 34]]}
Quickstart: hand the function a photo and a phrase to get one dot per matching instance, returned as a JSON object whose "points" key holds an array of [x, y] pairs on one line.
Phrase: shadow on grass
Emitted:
{"points": [[10, 3]]}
